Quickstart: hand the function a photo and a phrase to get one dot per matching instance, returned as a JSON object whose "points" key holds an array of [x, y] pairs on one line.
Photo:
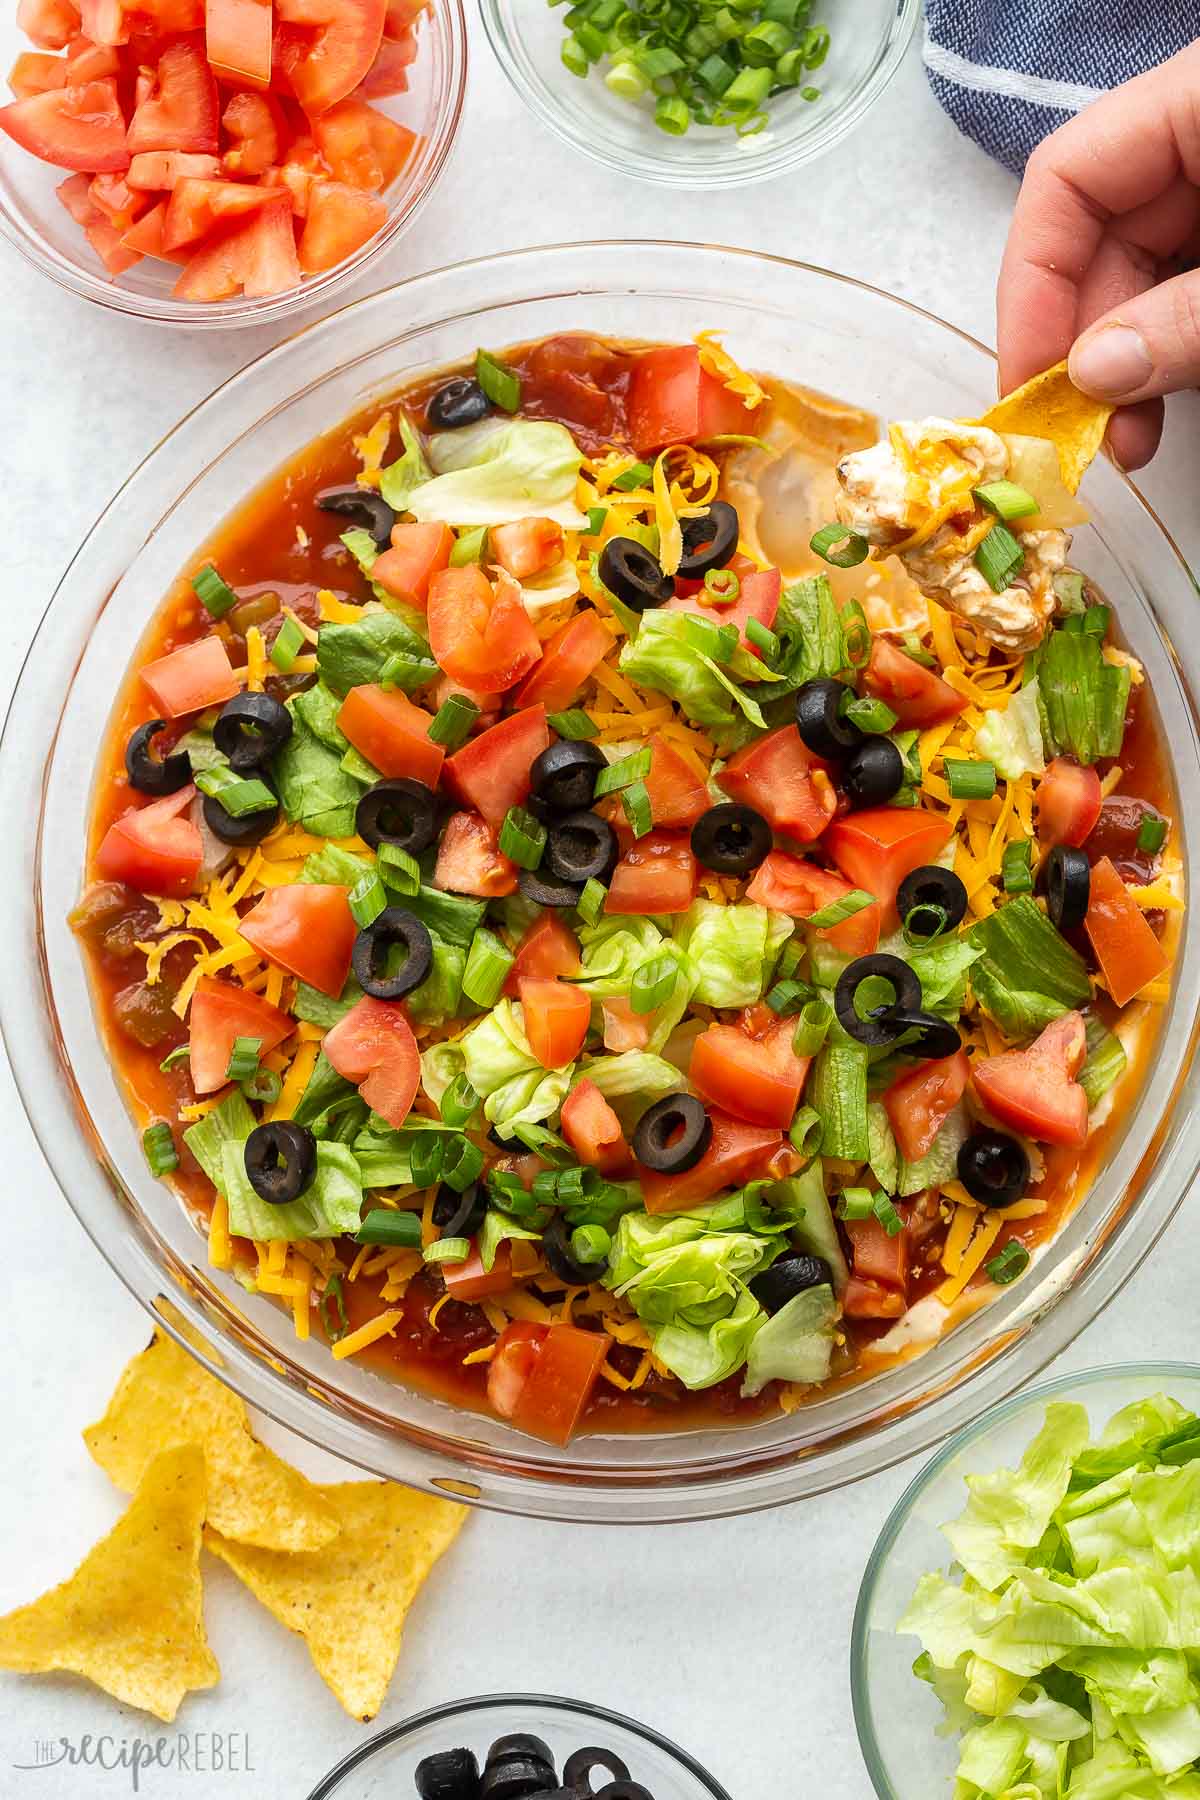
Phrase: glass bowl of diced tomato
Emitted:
{"points": [[222, 162], [859, 343]]}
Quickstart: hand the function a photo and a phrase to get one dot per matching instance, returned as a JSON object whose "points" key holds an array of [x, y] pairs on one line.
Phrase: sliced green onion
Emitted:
{"points": [[400, 869], [856, 635], [590, 1244], [916, 652], [368, 898], [264, 1087], [765, 43], [869, 714], [1016, 871], [236, 795], [287, 645], [636, 476], [590, 903], [570, 1183], [214, 594], [626, 80], [174, 1058], [510, 1193], [463, 1164], [574, 723], [1006, 499], [764, 640], [653, 983], [788, 997], [1068, 591], [715, 74], [544, 1143], [488, 963], [635, 803], [671, 115], [522, 838], [244, 1059], [574, 57], [331, 1301], [1012, 1261], [969, 780], [596, 517], [887, 1215], [158, 1147], [999, 558], [838, 911], [500, 383], [544, 1187], [747, 91], [723, 584], [812, 1026], [624, 773], [856, 1203], [852, 551], [448, 1250], [470, 547], [426, 1157], [924, 923], [452, 722], [1152, 833], [399, 1230], [805, 1131], [459, 1103], [717, 642]]}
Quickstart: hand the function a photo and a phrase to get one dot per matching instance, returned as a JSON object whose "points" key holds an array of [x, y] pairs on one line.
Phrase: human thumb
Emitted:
{"points": [[1146, 347]]}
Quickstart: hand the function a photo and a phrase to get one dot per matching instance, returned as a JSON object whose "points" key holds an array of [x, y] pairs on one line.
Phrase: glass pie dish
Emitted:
{"points": [[858, 343]]}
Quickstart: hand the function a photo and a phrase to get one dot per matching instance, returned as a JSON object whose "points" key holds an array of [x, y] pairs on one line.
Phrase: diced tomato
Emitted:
{"points": [[146, 236], [339, 220], [35, 73], [557, 1389], [919, 1102], [417, 554], [187, 680], [392, 733], [297, 182], [388, 74], [478, 634], [657, 874], [50, 24], [548, 949], [678, 796], [568, 658], [75, 194], [220, 1014], [470, 1281], [624, 1029], [196, 208], [109, 246], [491, 771], [1068, 803], [402, 15], [673, 400], [182, 111], [255, 123], [758, 598], [593, 1130], [789, 884], [72, 127], [737, 1154], [374, 1046], [395, 145], [512, 1359], [159, 170], [326, 47], [781, 780], [878, 1257], [120, 204], [1126, 948], [1035, 1090], [756, 1079], [869, 1300], [255, 258], [104, 21], [91, 62], [556, 1016], [307, 929], [345, 139], [469, 860], [238, 37], [526, 546], [154, 849], [877, 848], [915, 694]]}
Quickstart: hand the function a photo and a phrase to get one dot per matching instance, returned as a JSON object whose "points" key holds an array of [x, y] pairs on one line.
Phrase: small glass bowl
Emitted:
{"points": [[386, 1763], [896, 1714], [33, 219], [869, 38]]}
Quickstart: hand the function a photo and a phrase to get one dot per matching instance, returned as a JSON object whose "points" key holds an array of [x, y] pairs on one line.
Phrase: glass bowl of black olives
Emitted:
{"points": [[519, 1747]]}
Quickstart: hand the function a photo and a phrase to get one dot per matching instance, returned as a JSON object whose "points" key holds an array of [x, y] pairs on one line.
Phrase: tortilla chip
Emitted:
{"points": [[349, 1601], [130, 1619], [166, 1398], [1051, 406]]}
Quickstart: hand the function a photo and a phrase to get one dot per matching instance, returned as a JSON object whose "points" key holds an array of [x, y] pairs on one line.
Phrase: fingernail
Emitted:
{"points": [[1112, 363]]}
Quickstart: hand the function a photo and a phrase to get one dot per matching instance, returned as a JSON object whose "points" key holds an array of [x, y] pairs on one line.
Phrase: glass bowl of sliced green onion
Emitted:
{"points": [[699, 93]]}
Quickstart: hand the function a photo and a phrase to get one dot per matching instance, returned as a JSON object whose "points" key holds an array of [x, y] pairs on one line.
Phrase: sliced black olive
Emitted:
{"points": [[563, 777], [993, 1167], [459, 402], [935, 1036], [460, 1215], [926, 888], [545, 890], [709, 540], [819, 719], [250, 828], [448, 1775], [250, 729], [399, 811], [879, 1027], [873, 773], [370, 956], [362, 506], [673, 1135], [1065, 878], [516, 1778], [521, 1743], [580, 847], [556, 1248], [281, 1160], [146, 773], [787, 1278], [731, 838], [577, 1770], [629, 571], [623, 1790]]}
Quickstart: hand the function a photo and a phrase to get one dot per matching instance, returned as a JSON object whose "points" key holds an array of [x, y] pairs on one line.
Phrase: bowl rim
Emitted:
{"points": [[772, 160], [450, 20], [449, 1710], [893, 1525], [899, 1426]]}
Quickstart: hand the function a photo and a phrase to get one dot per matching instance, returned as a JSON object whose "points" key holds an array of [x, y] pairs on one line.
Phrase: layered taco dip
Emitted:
{"points": [[624, 895]]}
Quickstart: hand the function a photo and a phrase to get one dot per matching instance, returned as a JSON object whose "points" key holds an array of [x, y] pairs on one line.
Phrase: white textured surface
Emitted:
{"points": [[731, 1637]]}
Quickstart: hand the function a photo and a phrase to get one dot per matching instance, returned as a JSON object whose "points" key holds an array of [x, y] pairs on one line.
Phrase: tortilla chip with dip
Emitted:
{"points": [[1051, 406], [349, 1601], [130, 1619], [164, 1397]]}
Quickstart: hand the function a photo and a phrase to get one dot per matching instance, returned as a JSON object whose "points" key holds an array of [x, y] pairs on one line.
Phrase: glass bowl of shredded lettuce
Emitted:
{"points": [[1029, 1624]]}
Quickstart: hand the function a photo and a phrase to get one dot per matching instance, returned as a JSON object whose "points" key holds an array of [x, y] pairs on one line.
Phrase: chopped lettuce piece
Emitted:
{"points": [[803, 1198], [495, 1050], [882, 1154], [612, 950], [1011, 737], [696, 1281], [319, 706], [1083, 697], [808, 625], [439, 997], [453, 918], [314, 790], [702, 1355], [795, 1344], [498, 1228], [728, 947], [230, 1122], [351, 655], [440, 1064], [327, 1208], [1028, 974], [664, 656], [634, 1074], [528, 1099], [316, 1008], [495, 475], [409, 471], [331, 866], [1008, 1511], [324, 1090]]}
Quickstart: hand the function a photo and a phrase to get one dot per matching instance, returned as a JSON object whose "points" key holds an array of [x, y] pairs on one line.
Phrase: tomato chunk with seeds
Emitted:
{"points": [[470, 861], [154, 848], [326, 47], [221, 1013], [879, 1257], [593, 1130], [1035, 1091], [73, 127], [338, 221], [792, 885], [758, 598], [491, 772], [392, 733], [548, 949], [1069, 798], [307, 929], [480, 634], [416, 555], [568, 658], [657, 874], [182, 111], [238, 36], [737, 1154], [759, 1079], [374, 1046], [255, 258], [875, 849], [526, 546], [678, 796], [915, 694], [919, 1102], [780, 779], [512, 1362], [469, 1281]]}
